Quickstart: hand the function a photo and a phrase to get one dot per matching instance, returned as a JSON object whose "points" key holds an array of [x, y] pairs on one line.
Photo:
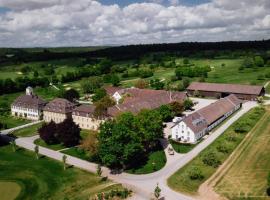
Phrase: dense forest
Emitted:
{"points": [[195, 49]]}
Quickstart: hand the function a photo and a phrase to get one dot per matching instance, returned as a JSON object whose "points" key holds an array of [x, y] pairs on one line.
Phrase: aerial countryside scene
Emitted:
{"points": [[134, 100]]}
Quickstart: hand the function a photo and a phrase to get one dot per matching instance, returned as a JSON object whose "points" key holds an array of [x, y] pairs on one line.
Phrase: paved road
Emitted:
{"points": [[143, 185], [7, 131]]}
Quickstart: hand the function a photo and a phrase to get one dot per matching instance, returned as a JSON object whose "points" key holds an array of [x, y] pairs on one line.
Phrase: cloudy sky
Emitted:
{"points": [[28, 23]]}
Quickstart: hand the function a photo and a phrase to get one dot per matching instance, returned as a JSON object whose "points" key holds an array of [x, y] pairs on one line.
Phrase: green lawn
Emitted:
{"points": [[12, 122], [28, 131], [182, 148], [77, 152], [155, 161], [229, 140], [247, 170], [56, 147], [45, 178]]}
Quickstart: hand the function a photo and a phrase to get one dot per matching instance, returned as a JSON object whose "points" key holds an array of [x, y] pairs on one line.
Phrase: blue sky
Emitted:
{"points": [[127, 2]]}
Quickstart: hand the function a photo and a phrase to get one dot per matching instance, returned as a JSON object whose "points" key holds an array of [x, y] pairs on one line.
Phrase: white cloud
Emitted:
{"points": [[88, 22]]}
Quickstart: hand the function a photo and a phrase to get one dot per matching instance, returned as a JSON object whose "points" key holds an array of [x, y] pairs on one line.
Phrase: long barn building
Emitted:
{"points": [[193, 127], [244, 92]]}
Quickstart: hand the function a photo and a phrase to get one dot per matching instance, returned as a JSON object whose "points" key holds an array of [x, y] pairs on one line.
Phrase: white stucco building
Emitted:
{"points": [[193, 127], [28, 106]]}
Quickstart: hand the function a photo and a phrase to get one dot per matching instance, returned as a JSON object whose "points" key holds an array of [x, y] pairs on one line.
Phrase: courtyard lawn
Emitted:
{"points": [[155, 161], [24, 177], [28, 131], [248, 169], [223, 146]]}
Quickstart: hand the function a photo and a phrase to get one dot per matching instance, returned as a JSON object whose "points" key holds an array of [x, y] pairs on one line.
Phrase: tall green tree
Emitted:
{"points": [[150, 127]]}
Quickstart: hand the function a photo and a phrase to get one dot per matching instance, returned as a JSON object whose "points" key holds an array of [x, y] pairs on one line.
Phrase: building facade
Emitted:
{"points": [[28, 106], [244, 92], [192, 128], [58, 110], [84, 117]]}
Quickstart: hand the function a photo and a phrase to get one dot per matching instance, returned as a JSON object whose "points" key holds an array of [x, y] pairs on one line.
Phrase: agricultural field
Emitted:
{"points": [[246, 176], [191, 176], [24, 177]]}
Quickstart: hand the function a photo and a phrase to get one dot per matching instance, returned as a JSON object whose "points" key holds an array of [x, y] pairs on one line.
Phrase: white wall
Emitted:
{"points": [[32, 114], [182, 132]]}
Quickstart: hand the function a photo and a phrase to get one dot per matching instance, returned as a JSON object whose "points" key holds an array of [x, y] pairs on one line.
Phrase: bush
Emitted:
{"points": [[211, 159], [195, 173], [223, 148], [241, 127]]}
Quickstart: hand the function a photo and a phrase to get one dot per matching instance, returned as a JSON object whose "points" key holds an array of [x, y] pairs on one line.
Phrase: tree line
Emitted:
{"points": [[204, 49]]}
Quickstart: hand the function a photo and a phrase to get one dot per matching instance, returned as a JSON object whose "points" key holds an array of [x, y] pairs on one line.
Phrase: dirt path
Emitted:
{"points": [[206, 190]]}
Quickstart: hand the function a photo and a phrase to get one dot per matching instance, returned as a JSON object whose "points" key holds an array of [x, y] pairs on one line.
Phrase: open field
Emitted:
{"points": [[222, 147], [246, 176], [45, 178]]}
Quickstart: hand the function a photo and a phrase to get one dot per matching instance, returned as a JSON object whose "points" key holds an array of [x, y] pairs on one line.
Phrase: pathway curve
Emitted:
{"points": [[143, 185]]}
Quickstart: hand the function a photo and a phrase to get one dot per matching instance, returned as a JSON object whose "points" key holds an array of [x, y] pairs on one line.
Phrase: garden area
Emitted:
{"points": [[191, 176], [22, 176]]}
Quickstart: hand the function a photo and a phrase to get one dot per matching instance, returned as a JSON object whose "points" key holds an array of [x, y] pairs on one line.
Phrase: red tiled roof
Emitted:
{"points": [[29, 101], [59, 105], [227, 88]]}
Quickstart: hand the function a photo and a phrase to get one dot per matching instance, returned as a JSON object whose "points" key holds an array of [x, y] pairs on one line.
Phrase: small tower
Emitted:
{"points": [[29, 91]]}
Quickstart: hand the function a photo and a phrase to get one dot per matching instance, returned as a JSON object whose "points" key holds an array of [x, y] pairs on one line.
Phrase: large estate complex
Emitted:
{"points": [[194, 126], [217, 90], [29, 106]]}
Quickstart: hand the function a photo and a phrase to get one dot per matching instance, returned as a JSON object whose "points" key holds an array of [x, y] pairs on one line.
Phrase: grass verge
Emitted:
{"points": [[191, 176]]}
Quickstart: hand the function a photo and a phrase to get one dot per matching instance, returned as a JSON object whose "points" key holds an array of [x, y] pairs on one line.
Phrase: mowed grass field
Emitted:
{"points": [[247, 176], [24, 177]]}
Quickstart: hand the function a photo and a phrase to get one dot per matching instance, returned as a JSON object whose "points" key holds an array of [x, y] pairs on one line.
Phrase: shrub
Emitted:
{"points": [[211, 159], [241, 127], [223, 148], [195, 173]]}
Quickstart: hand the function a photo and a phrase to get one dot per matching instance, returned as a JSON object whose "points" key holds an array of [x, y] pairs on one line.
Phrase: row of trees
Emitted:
{"points": [[192, 72], [66, 133]]}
